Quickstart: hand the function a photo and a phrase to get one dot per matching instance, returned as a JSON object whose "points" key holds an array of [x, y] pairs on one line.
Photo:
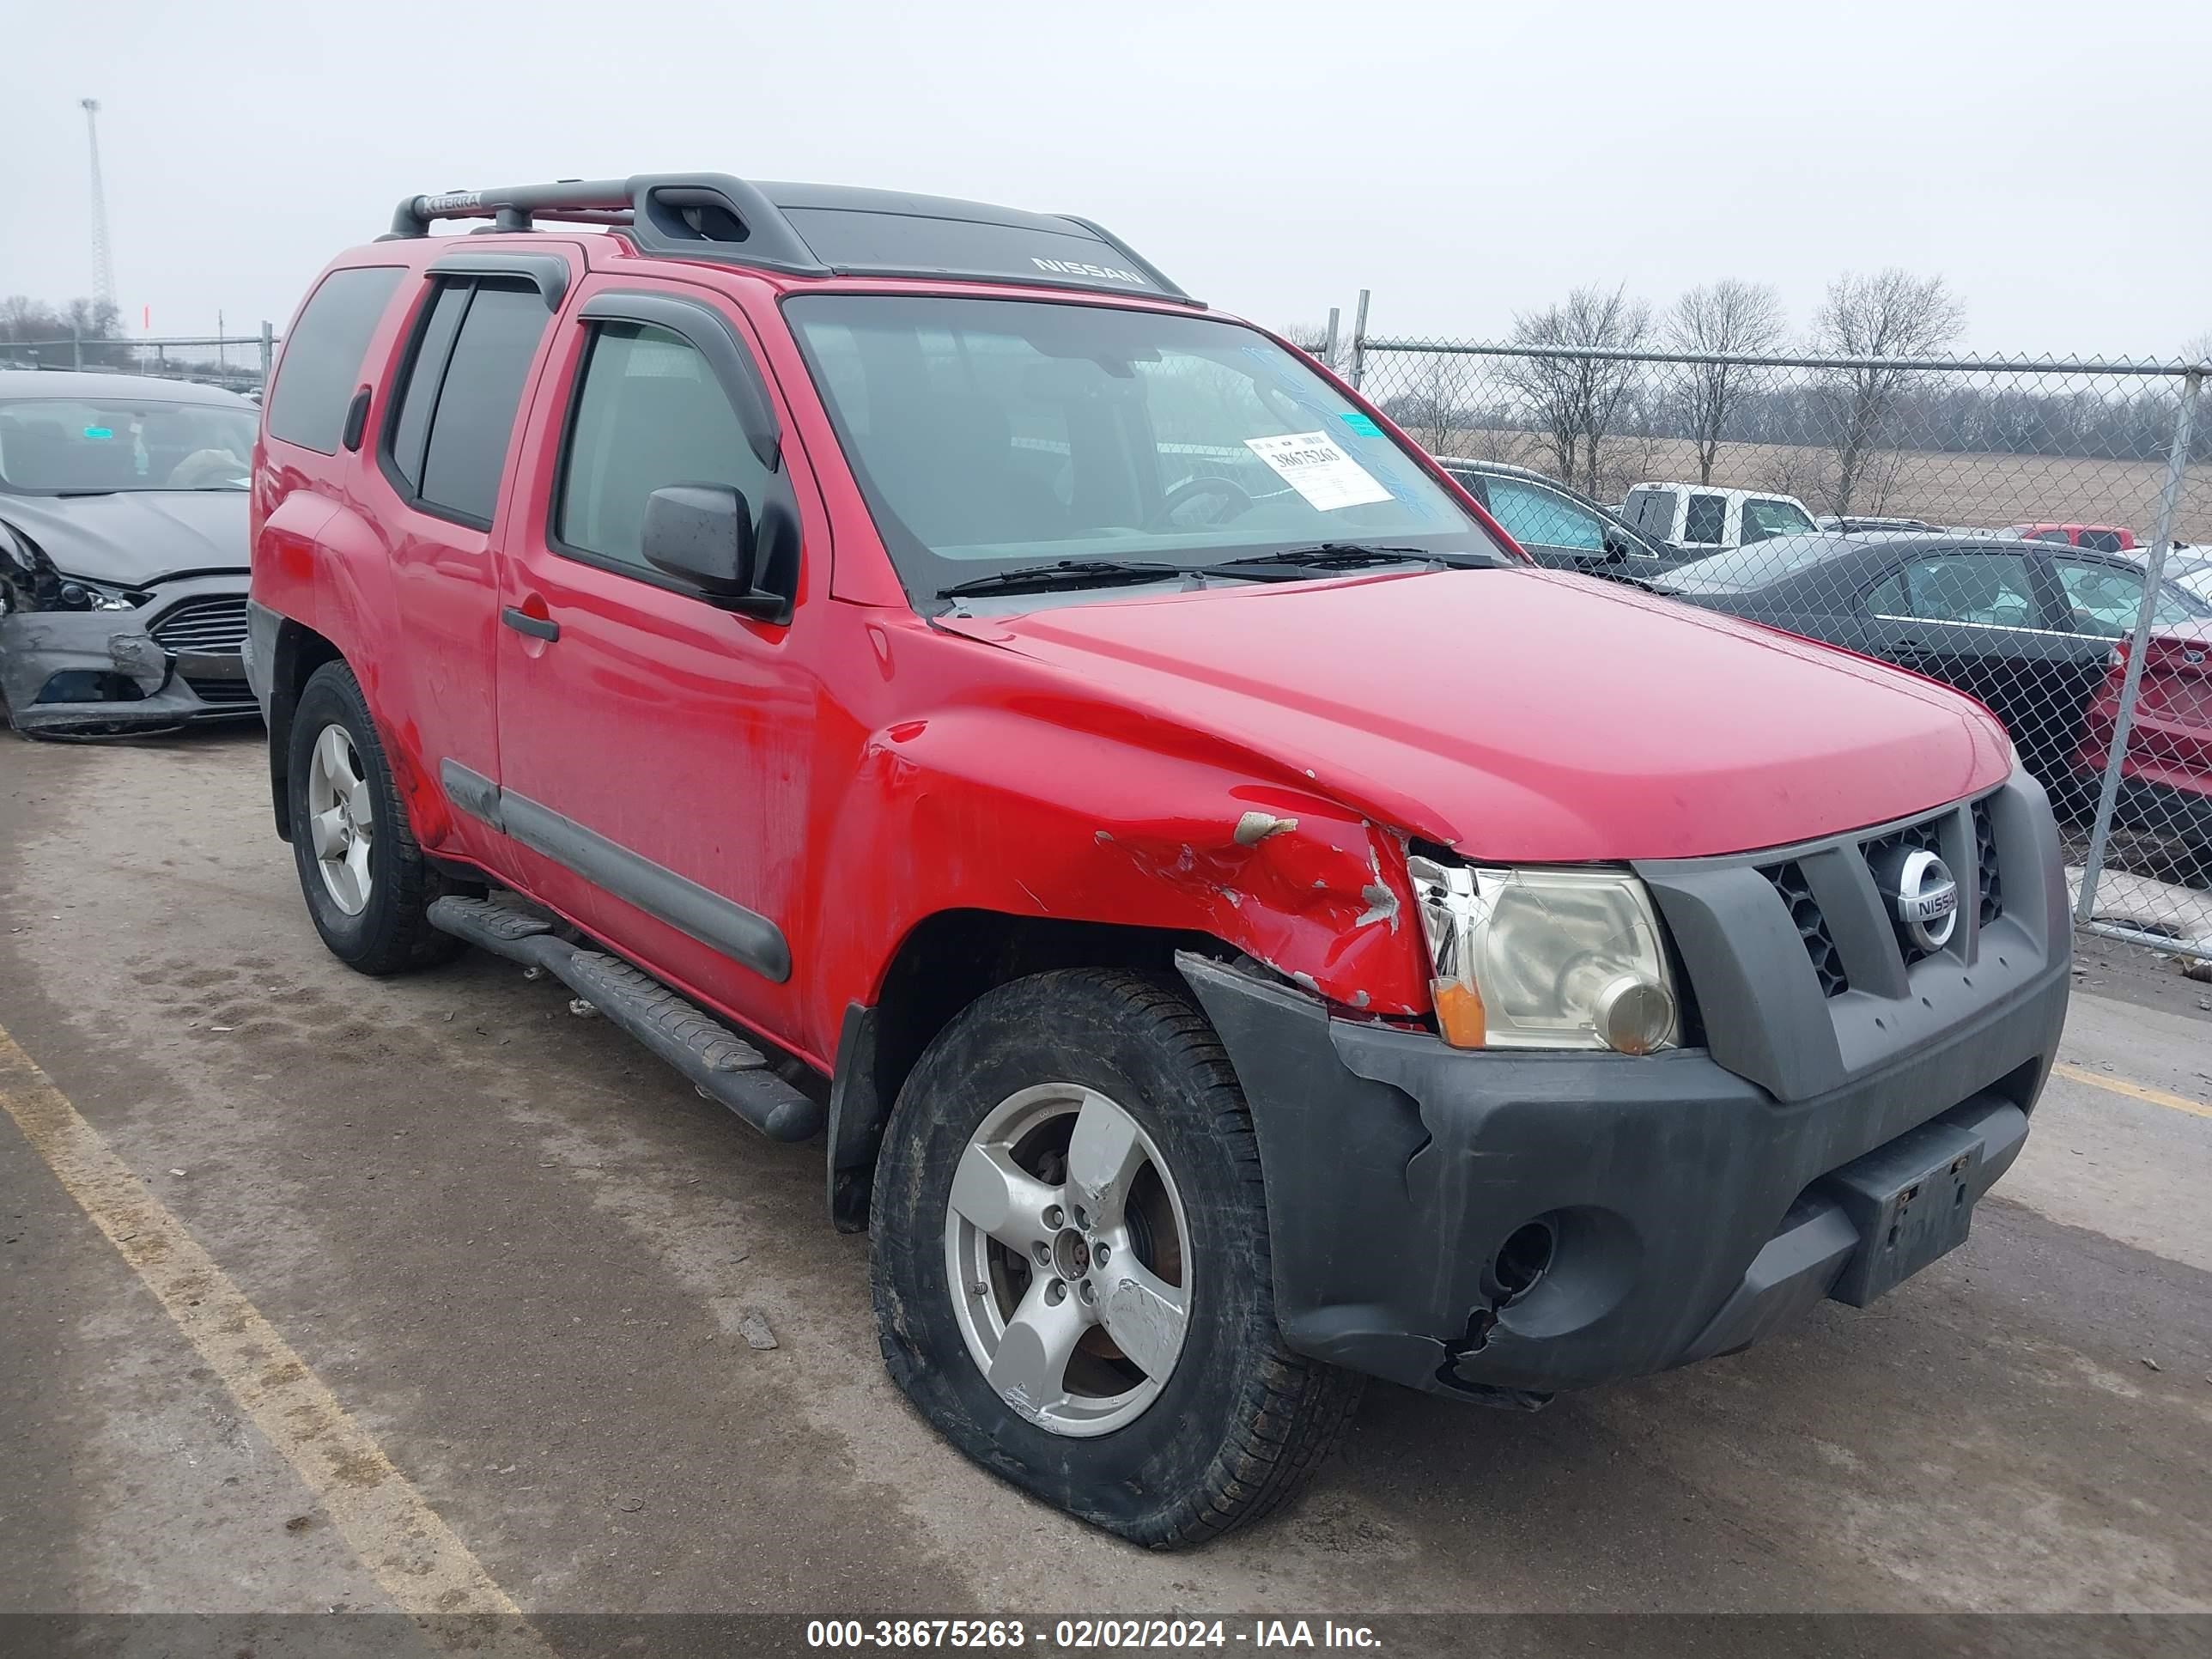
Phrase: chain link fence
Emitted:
{"points": [[2038, 534], [236, 362]]}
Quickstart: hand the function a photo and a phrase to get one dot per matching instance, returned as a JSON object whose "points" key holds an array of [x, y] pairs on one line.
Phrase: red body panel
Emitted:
{"points": [[861, 769], [2073, 533], [2171, 741]]}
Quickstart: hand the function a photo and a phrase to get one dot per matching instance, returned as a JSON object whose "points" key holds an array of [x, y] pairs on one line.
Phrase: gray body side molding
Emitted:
{"points": [[721, 924]]}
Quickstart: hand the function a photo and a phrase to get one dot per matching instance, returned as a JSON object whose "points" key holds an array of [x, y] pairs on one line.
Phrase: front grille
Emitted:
{"points": [[1792, 885], [1985, 863], [214, 623], [1812, 927]]}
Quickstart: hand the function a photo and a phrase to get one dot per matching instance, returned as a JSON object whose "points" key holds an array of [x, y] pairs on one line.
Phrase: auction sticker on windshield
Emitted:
{"points": [[1311, 464]]}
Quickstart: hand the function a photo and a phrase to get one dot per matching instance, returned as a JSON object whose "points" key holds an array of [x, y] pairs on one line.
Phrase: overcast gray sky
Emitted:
{"points": [[1463, 161]]}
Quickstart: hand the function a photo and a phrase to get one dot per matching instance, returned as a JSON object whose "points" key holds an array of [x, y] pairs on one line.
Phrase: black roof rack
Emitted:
{"points": [[812, 230]]}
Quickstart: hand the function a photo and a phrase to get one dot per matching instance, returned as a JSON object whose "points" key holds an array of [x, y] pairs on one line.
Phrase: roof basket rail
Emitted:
{"points": [[848, 232], [671, 213]]}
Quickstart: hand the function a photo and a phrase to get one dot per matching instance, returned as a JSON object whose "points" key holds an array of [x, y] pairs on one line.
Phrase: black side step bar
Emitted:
{"points": [[725, 1066]]}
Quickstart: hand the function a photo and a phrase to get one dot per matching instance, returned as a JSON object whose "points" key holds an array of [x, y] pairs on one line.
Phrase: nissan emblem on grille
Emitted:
{"points": [[1925, 898]]}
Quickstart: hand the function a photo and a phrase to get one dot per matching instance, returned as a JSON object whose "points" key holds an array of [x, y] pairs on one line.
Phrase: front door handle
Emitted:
{"points": [[538, 628]]}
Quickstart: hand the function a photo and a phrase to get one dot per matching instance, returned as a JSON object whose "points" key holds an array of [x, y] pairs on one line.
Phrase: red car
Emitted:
{"points": [[1237, 925], [2166, 777], [2098, 537]]}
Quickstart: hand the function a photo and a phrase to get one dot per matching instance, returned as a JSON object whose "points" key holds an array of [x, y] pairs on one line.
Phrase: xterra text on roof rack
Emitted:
{"points": [[1233, 919]]}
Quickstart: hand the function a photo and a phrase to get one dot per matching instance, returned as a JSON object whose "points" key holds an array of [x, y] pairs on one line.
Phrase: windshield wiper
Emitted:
{"points": [[1347, 555], [1064, 572]]}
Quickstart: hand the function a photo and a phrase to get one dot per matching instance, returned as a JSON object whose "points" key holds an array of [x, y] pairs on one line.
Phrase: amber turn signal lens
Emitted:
{"points": [[1460, 1015]]}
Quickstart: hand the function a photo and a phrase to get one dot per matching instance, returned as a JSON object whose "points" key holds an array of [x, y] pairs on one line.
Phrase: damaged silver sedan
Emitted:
{"points": [[123, 553]]}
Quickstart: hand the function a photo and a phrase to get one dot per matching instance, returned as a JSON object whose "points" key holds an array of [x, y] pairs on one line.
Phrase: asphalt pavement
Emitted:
{"points": [[309, 1282]]}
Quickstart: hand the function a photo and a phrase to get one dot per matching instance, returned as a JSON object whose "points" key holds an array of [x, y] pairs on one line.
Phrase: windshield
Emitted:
{"points": [[97, 445], [994, 435]]}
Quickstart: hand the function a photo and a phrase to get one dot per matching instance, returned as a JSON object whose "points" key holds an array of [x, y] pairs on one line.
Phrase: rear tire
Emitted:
{"points": [[364, 880], [1175, 1413]]}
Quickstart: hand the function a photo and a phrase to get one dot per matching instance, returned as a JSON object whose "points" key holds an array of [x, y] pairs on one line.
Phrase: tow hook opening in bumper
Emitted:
{"points": [[1519, 1267]]}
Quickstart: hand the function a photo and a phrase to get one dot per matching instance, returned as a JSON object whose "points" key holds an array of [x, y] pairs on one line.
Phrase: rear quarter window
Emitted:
{"points": [[323, 354]]}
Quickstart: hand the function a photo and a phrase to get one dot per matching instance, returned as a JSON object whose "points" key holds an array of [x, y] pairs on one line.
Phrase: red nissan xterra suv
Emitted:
{"points": [[1237, 925]]}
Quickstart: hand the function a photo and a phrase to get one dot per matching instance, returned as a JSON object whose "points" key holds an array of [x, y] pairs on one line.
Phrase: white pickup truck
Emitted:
{"points": [[1702, 519]]}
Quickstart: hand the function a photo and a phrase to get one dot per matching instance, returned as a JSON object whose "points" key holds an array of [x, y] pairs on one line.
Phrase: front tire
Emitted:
{"points": [[364, 880], [1071, 1263]]}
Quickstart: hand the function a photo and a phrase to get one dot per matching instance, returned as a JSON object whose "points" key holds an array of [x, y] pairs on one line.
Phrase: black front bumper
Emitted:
{"points": [[1683, 1210]]}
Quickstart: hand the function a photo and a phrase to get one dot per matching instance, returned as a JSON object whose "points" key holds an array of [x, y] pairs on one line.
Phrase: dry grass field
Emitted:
{"points": [[1985, 490]]}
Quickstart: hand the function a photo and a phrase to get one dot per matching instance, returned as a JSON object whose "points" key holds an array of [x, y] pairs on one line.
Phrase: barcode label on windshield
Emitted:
{"points": [[1311, 464]]}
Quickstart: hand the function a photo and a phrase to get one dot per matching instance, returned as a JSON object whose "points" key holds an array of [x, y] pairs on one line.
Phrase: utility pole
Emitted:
{"points": [[103, 267]]}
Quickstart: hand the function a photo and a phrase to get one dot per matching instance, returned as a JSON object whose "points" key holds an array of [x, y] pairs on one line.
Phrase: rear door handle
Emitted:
{"points": [[538, 628]]}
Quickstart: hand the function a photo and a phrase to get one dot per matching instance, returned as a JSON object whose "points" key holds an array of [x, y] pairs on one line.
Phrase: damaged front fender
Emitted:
{"points": [[954, 813]]}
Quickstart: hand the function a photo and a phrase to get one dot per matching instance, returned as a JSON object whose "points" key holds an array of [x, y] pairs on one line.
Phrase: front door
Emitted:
{"points": [[653, 742]]}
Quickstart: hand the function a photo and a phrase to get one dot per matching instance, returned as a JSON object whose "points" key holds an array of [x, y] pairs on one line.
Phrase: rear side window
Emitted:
{"points": [[648, 413], [419, 397], [1707, 520], [2100, 541], [322, 356], [456, 413]]}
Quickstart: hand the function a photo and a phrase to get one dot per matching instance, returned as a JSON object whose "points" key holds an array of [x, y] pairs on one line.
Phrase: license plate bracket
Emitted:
{"points": [[1912, 1202]]}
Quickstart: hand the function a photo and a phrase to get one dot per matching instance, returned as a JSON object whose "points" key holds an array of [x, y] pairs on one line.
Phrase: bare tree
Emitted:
{"points": [[1311, 339], [1728, 318], [1574, 400], [1433, 412], [1892, 314]]}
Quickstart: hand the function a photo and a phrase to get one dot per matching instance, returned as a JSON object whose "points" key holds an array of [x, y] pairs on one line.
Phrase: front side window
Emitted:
{"points": [[648, 413], [2100, 541], [2106, 599], [993, 435], [1707, 523], [321, 366], [1991, 589], [1763, 518], [102, 445], [1535, 516]]}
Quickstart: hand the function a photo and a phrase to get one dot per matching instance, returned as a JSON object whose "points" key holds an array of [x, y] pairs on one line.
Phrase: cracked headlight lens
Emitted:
{"points": [[1544, 958], [77, 594]]}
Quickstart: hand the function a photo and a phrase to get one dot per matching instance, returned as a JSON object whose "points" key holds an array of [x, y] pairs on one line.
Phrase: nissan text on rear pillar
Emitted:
{"points": [[1234, 925]]}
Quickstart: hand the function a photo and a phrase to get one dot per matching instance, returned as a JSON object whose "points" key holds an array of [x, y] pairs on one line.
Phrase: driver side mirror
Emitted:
{"points": [[704, 534], [1618, 547]]}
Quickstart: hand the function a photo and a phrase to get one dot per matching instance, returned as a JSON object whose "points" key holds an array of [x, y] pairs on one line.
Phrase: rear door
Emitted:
{"points": [[476, 337], [1979, 619], [654, 744]]}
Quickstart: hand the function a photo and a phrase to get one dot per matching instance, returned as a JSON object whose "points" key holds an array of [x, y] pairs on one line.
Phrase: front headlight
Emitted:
{"points": [[28, 581], [77, 594], [1544, 958]]}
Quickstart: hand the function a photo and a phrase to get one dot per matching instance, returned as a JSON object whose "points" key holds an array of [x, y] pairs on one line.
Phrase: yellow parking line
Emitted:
{"points": [[2133, 1091], [416, 1557]]}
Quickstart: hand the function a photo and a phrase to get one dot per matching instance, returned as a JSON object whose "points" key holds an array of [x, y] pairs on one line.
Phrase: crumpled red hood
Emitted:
{"points": [[1531, 715]]}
